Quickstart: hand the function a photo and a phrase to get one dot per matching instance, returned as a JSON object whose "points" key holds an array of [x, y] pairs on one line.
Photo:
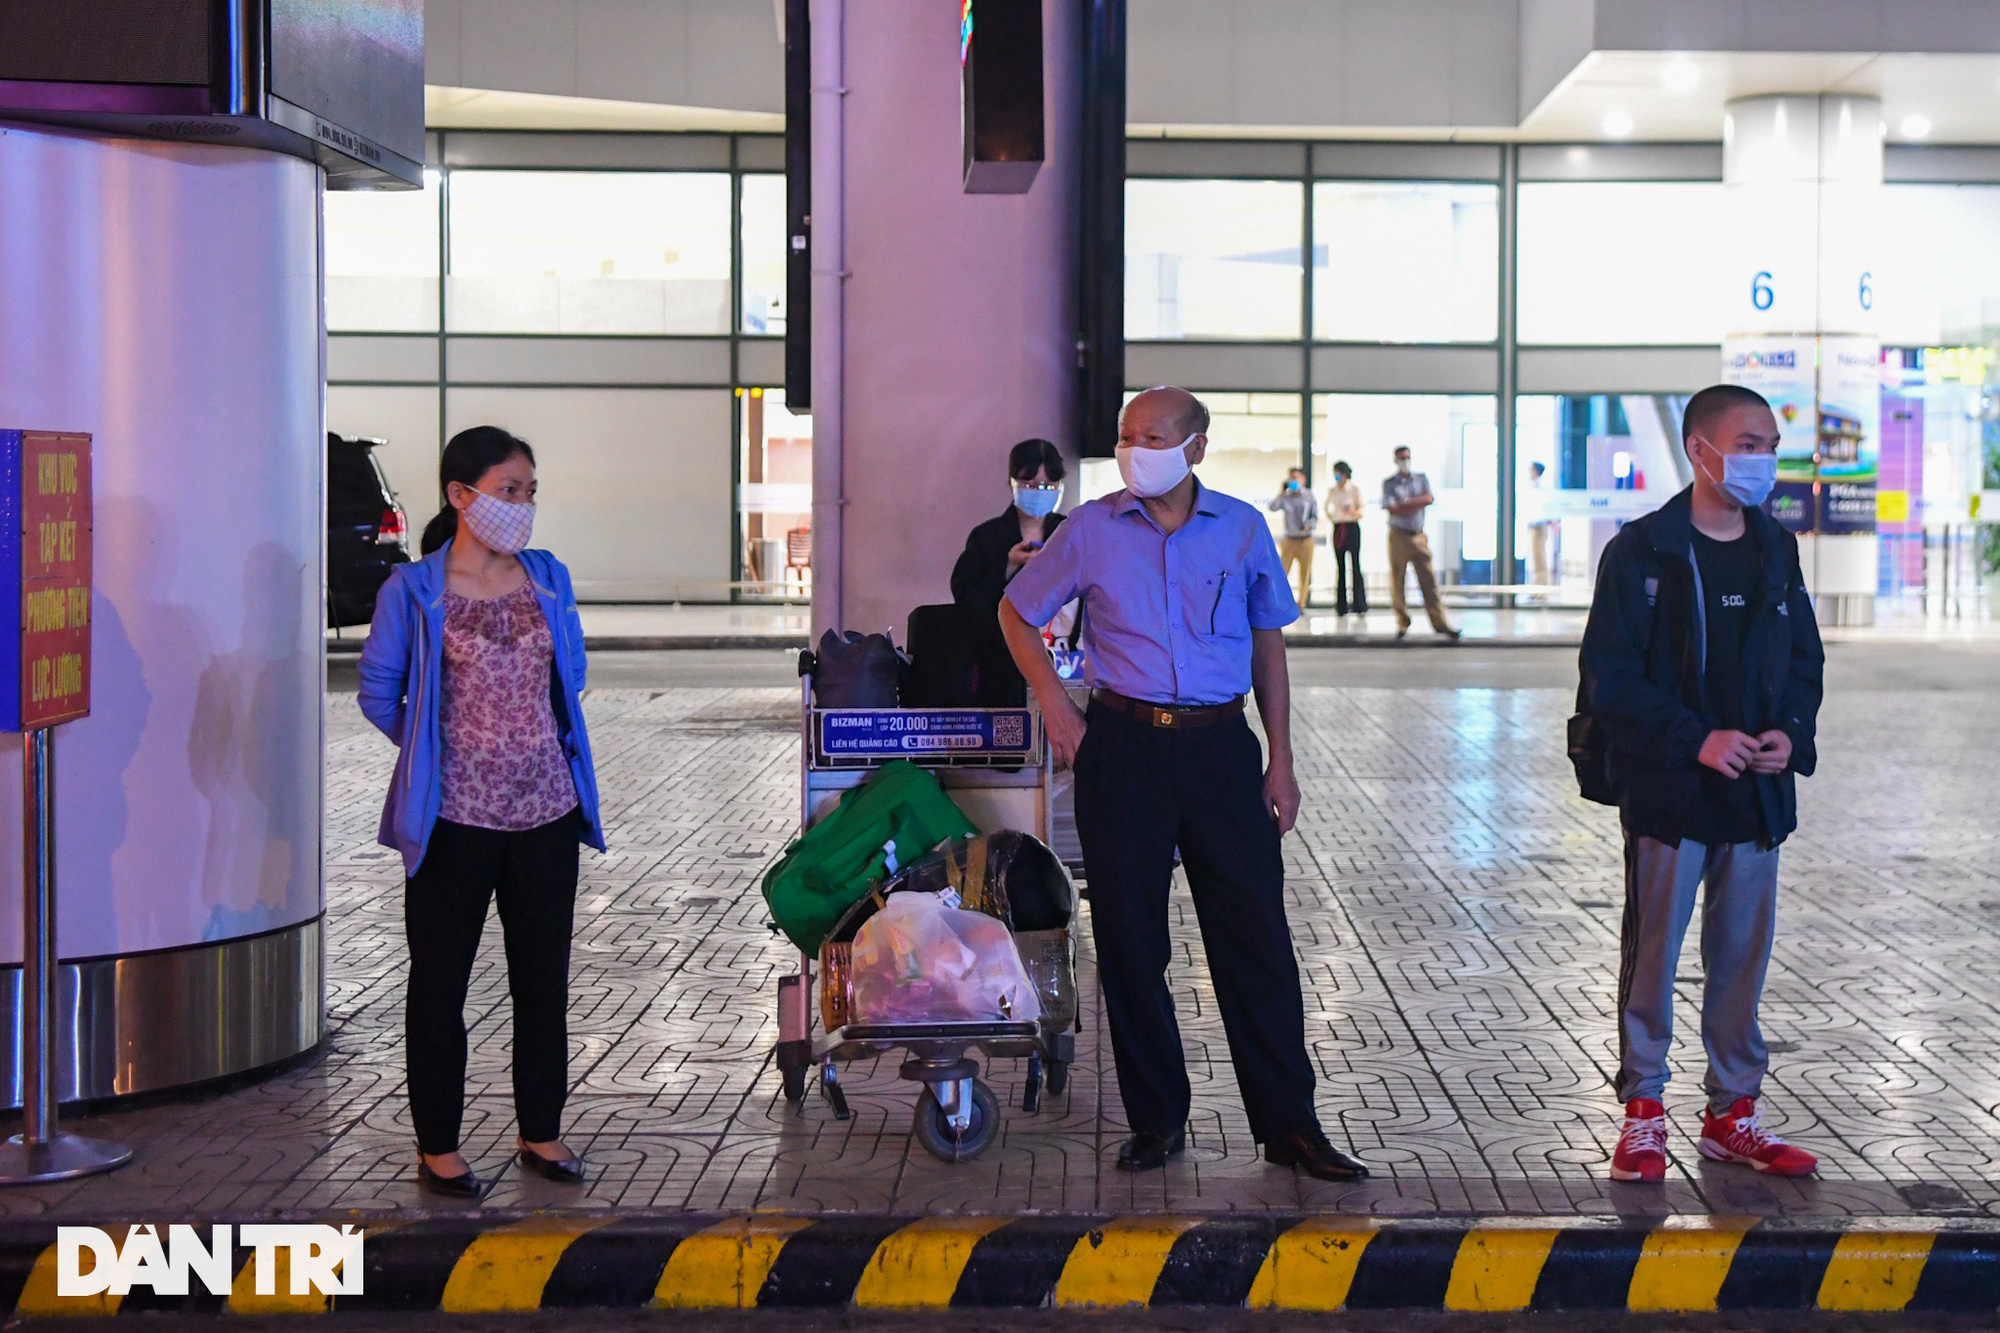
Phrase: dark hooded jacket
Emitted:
{"points": [[1643, 664]]}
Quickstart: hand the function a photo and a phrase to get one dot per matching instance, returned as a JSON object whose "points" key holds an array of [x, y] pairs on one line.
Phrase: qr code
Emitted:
{"points": [[1010, 732]]}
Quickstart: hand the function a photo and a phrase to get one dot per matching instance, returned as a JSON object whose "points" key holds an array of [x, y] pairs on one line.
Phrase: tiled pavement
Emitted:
{"points": [[1456, 910]]}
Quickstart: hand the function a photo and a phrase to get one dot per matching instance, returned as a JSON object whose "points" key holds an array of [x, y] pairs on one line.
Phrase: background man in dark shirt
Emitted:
{"points": [[1702, 664]]}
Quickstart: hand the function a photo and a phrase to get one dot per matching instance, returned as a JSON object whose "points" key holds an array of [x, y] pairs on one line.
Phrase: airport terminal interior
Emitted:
{"points": [[772, 287]]}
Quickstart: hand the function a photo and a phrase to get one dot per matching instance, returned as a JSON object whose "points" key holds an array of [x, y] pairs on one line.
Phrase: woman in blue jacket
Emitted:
{"points": [[474, 666]]}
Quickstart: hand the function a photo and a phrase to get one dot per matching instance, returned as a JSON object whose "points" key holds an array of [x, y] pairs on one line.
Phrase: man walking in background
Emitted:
{"points": [[1406, 495], [1301, 513], [1702, 679]]}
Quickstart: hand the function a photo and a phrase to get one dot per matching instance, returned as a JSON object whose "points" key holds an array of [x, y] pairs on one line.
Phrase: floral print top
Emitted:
{"points": [[503, 765]]}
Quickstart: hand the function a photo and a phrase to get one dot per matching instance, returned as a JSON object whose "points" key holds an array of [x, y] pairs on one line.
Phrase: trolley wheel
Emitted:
{"points": [[1057, 1077], [935, 1133], [795, 1085]]}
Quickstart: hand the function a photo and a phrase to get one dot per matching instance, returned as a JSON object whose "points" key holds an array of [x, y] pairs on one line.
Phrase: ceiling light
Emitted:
{"points": [[1915, 126], [1618, 124], [1681, 75]]}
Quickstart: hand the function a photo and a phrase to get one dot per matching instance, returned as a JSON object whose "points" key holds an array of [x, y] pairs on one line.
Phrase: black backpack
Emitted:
{"points": [[1590, 755]]}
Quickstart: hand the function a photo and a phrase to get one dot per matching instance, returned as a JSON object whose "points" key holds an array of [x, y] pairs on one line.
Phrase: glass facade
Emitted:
{"points": [[1301, 292], [1213, 259], [774, 496], [1584, 465], [1622, 263], [1405, 262], [382, 259], [763, 233], [1451, 439], [618, 317], [589, 252]]}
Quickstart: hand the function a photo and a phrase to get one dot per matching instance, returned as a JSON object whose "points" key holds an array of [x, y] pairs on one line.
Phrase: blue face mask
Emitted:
{"points": [[1036, 502], [1746, 478]]}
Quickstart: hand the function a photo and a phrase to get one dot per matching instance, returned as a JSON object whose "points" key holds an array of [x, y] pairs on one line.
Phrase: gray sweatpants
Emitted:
{"points": [[1738, 913]]}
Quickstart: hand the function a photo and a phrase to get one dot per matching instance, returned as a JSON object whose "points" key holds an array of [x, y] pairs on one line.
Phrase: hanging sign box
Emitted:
{"points": [[44, 578]]}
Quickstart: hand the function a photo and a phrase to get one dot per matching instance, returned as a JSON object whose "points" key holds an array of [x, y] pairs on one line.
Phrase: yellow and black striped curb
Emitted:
{"points": [[552, 1261]]}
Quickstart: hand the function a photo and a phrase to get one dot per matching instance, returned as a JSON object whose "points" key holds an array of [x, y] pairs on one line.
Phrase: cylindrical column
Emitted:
{"points": [[165, 299], [1803, 177]]}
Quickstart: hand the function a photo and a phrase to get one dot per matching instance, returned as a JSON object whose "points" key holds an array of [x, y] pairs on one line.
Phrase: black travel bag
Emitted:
{"points": [[856, 670]]}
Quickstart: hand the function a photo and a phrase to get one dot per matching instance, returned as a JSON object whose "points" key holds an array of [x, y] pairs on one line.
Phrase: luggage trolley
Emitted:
{"points": [[995, 765]]}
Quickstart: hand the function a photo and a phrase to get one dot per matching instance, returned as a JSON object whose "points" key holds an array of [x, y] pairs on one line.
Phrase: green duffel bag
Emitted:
{"points": [[833, 864]]}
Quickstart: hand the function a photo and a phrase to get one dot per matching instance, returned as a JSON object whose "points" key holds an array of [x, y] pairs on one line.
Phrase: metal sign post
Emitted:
{"points": [[45, 530]]}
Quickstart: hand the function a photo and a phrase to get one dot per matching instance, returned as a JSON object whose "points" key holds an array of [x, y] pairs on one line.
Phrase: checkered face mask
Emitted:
{"points": [[502, 526]]}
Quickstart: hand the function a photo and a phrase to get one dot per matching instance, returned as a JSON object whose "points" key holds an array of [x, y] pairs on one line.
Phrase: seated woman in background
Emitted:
{"points": [[1000, 548]]}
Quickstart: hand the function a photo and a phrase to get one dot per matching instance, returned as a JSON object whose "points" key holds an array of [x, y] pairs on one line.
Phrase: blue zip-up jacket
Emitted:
{"points": [[401, 672], [1644, 657]]}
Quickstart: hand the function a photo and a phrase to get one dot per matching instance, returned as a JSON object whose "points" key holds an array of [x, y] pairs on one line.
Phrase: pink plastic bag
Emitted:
{"points": [[919, 961]]}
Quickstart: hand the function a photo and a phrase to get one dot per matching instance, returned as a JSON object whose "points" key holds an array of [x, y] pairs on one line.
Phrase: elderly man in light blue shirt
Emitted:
{"points": [[1184, 608]]}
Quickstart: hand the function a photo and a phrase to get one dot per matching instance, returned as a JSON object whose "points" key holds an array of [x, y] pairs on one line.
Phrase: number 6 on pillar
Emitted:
{"points": [[45, 569]]}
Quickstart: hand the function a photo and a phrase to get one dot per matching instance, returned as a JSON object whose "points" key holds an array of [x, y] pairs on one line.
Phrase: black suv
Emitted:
{"points": [[367, 534]]}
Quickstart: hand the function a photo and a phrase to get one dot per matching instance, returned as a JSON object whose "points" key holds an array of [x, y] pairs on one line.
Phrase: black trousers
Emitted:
{"points": [[1346, 555], [1142, 791], [533, 873]]}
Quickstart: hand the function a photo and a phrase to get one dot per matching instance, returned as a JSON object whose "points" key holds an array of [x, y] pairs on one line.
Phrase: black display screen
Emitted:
{"points": [[356, 63], [105, 41]]}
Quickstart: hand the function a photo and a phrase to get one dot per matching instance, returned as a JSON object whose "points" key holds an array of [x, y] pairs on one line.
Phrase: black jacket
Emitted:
{"points": [[978, 582], [979, 579], [1642, 663]]}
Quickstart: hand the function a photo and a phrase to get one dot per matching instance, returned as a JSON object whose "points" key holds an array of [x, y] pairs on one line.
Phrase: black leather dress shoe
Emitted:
{"points": [[562, 1170], [1147, 1151], [1311, 1153], [465, 1185]]}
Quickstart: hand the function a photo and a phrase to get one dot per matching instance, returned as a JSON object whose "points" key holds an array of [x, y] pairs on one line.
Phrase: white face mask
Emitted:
{"points": [[504, 527], [1153, 472]]}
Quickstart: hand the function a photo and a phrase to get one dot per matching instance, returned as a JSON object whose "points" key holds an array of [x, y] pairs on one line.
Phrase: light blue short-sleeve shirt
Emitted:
{"points": [[1166, 619]]}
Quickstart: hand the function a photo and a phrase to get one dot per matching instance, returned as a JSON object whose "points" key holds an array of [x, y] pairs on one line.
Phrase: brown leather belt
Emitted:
{"points": [[1174, 717]]}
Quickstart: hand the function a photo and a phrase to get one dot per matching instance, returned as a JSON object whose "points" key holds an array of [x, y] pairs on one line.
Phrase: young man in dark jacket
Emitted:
{"points": [[1702, 666]]}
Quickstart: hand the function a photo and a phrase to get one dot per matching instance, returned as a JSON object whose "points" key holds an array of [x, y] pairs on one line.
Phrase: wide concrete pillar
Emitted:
{"points": [[948, 333], [165, 298], [1803, 180]]}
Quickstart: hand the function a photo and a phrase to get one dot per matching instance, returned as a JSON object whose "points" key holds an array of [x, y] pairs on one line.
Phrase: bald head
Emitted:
{"points": [[1173, 410]]}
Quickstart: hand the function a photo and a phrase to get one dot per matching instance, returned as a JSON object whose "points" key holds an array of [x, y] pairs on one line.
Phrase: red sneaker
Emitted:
{"points": [[1736, 1136], [1641, 1153]]}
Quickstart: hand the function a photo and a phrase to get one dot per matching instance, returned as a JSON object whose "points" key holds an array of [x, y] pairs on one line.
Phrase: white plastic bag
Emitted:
{"points": [[919, 961]]}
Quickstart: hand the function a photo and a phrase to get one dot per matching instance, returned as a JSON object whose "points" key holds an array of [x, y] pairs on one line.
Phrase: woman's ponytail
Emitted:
{"points": [[441, 529], [466, 458]]}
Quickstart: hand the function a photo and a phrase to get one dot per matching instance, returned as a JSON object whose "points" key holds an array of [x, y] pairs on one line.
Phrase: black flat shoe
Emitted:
{"points": [[564, 1170], [1147, 1151], [465, 1185], [1311, 1153]]}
